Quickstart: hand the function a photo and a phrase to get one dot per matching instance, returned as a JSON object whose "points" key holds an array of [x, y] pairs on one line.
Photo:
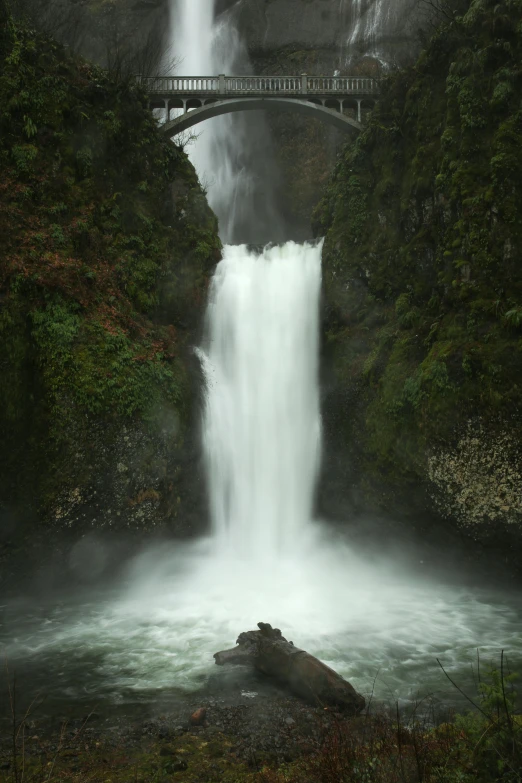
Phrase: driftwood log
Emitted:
{"points": [[269, 652]]}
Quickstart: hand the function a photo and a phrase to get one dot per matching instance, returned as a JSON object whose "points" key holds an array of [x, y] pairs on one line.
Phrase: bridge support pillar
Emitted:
{"points": [[359, 117]]}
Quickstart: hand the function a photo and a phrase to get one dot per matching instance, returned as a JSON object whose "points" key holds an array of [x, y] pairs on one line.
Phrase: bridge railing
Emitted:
{"points": [[346, 85], [241, 85], [235, 84], [180, 84]]}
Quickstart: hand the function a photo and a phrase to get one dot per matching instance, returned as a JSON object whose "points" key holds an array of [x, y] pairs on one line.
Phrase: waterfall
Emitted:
{"points": [[232, 154], [262, 422], [193, 44], [370, 20], [262, 425]]}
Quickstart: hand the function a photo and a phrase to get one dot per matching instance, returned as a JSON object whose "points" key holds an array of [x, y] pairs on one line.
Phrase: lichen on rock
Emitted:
{"points": [[480, 479]]}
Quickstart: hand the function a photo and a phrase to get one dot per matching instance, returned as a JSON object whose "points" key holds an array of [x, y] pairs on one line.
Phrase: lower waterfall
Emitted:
{"points": [[261, 431]]}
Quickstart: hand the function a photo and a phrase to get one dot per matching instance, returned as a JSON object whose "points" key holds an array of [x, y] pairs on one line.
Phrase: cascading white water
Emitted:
{"points": [[262, 422], [226, 153], [193, 37], [370, 19]]}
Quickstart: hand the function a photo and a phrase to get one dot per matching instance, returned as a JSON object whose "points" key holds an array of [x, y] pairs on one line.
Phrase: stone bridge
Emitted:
{"points": [[338, 100]]}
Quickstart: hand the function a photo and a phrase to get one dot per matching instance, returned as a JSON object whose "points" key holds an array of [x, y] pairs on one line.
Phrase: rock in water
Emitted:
{"points": [[198, 717], [268, 651]]}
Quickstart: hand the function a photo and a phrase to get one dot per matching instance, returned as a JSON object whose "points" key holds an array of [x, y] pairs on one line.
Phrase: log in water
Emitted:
{"points": [[306, 676]]}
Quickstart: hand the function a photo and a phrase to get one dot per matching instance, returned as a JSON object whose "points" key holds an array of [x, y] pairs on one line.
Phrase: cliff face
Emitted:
{"points": [[106, 247], [339, 34], [423, 289], [282, 37], [319, 37], [126, 36]]}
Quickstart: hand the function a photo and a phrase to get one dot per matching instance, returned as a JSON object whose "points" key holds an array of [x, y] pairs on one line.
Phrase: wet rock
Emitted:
{"points": [[176, 765], [198, 717], [163, 733]]}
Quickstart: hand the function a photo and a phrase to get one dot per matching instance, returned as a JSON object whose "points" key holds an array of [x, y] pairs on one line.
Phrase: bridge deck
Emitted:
{"points": [[260, 86]]}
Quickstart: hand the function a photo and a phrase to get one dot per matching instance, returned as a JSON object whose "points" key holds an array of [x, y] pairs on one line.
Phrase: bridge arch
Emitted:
{"points": [[218, 108]]}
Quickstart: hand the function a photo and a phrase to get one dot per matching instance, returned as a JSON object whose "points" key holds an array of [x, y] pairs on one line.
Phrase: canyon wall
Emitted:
{"points": [[280, 37], [338, 33], [107, 244], [423, 293], [321, 37]]}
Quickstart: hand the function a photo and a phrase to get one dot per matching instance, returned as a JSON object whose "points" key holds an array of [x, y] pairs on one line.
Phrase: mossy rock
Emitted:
{"points": [[423, 272], [106, 248]]}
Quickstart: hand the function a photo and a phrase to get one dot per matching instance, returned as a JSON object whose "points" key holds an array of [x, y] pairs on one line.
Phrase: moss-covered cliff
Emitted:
{"points": [[106, 246], [423, 285]]}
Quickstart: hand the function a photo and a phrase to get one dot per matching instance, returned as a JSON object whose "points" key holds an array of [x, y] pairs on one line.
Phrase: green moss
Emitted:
{"points": [[106, 247], [423, 224]]}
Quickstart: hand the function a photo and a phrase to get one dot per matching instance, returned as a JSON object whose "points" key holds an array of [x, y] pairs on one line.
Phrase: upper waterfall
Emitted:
{"points": [[232, 155]]}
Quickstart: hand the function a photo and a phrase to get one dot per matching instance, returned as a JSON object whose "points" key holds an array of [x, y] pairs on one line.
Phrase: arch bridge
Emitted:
{"points": [[338, 100]]}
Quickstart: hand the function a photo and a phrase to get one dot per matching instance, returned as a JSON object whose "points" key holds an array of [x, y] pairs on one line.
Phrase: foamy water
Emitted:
{"points": [[180, 604]]}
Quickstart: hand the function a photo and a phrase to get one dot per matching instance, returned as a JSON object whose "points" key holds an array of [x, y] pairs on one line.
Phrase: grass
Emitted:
{"points": [[482, 746]]}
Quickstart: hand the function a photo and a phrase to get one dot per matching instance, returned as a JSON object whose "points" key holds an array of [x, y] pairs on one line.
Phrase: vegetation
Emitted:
{"points": [[481, 746], [423, 273], [484, 746], [106, 246]]}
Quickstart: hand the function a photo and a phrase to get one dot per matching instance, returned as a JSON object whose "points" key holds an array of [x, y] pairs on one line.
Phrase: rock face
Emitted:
{"points": [[281, 36], [318, 37], [423, 292], [269, 652], [106, 246], [338, 33]]}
